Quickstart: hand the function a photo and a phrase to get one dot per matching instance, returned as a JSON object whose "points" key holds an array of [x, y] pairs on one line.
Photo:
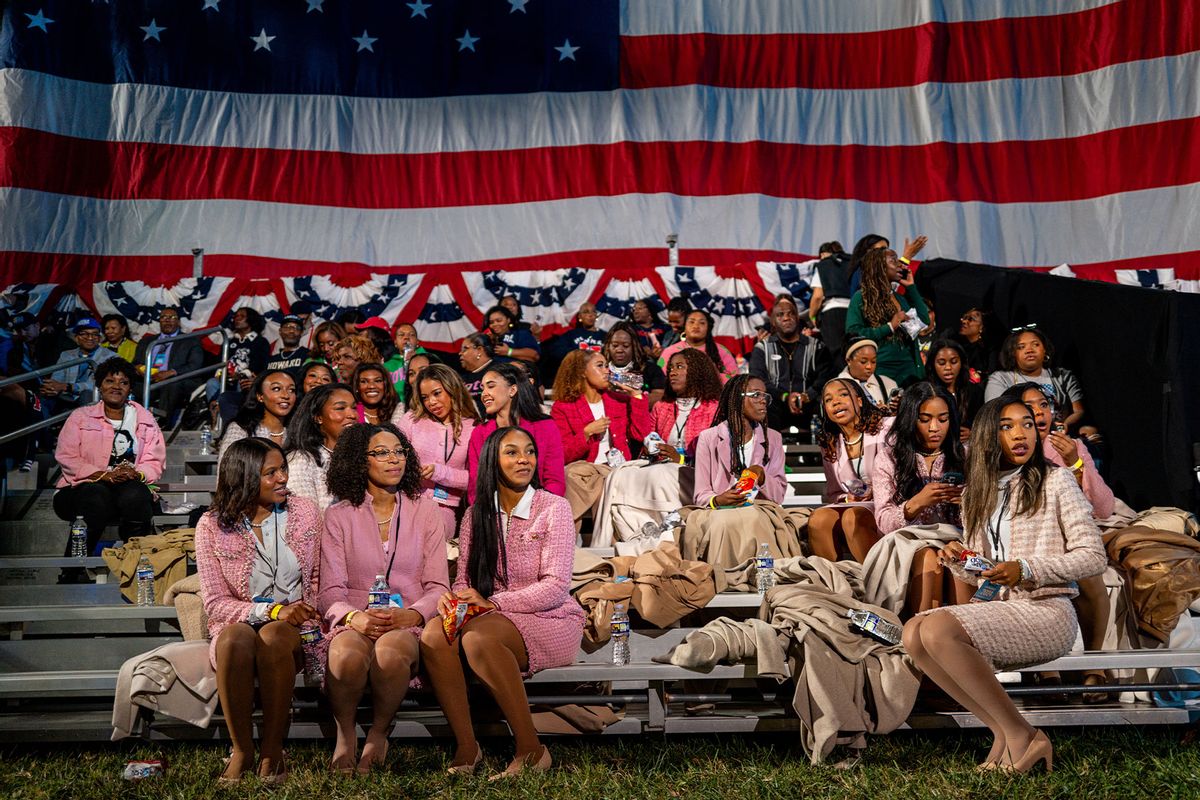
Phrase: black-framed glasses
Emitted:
{"points": [[383, 454], [1021, 328], [763, 396]]}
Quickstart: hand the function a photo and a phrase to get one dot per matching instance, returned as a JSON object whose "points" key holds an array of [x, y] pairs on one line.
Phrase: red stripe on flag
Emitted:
{"points": [[1052, 170], [1022, 47]]}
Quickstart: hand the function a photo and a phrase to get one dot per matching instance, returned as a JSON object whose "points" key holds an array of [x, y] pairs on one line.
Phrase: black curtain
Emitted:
{"points": [[1136, 352]]}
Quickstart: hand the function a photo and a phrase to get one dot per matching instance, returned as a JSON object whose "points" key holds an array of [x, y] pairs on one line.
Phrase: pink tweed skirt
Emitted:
{"points": [[1018, 633]]}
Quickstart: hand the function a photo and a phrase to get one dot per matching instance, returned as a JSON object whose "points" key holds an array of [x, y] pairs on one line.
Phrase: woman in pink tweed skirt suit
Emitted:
{"points": [[1033, 522], [516, 552]]}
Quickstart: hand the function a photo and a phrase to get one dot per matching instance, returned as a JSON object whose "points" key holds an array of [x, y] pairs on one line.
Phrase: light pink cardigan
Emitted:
{"points": [[352, 555], [889, 516], [1094, 488], [839, 472], [86, 440], [713, 464]]}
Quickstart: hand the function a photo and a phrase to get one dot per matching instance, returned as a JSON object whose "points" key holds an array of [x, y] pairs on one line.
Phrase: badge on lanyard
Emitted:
{"points": [[440, 494]]}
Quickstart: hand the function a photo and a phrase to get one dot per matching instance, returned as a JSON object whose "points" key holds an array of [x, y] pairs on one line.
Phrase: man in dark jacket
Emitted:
{"points": [[792, 365], [169, 358]]}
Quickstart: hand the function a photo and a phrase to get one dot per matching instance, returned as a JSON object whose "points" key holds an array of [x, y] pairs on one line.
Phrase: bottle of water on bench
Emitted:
{"points": [[377, 598], [620, 635], [145, 581], [206, 439], [764, 568], [79, 538]]}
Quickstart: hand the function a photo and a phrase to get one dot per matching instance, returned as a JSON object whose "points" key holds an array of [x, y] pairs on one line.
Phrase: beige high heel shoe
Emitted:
{"points": [[1040, 751], [467, 769]]}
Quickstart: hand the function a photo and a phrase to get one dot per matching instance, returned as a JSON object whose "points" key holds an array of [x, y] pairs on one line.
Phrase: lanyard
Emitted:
{"points": [[259, 545], [994, 530], [447, 450], [395, 539]]}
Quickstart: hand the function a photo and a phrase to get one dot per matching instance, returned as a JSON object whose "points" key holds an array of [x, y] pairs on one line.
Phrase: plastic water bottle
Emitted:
{"points": [[206, 439], [314, 667], [653, 442], [377, 598], [145, 581], [764, 568], [79, 538], [875, 626], [620, 635]]}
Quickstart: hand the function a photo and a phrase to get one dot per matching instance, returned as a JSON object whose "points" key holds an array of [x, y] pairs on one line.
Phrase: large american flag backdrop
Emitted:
{"points": [[418, 159]]}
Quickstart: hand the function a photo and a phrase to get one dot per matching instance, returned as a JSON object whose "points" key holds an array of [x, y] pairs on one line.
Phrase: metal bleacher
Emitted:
{"points": [[65, 644]]}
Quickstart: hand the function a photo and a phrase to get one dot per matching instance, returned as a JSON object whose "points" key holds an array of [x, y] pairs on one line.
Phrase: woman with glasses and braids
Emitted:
{"points": [[739, 441], [878, 312], [517, 546], [381, 525]]}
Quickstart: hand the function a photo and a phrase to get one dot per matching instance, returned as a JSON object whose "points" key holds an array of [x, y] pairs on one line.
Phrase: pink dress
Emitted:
{"points": [[536, 598], [727, 369], [435, 444]]}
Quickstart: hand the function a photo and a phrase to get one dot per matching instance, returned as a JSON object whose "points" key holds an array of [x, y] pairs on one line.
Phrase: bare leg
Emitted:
{"points": [[278, 659], [445, 670], [963, 592], [925, 582], [346, 678], [235, 686], [496, 653], [858, 526], [393, 665], [821, 533], [1092, 608]]}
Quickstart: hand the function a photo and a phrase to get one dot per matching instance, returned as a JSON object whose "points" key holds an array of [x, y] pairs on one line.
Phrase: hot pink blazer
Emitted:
{"points": [[629, 421], [225, 558], [550, 468], [352, 555], [86, 440], [713, 462], [663, 417]]}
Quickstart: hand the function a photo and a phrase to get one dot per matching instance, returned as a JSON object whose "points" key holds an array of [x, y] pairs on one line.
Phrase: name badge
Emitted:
{"points": [[440, 494]]}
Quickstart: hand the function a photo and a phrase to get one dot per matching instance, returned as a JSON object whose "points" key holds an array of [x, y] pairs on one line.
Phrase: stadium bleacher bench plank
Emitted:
{"points": [[17, 617], [95, 564]]}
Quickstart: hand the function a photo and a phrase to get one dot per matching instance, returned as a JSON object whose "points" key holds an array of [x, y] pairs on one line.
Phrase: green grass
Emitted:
{"points": [[1090, 764]]}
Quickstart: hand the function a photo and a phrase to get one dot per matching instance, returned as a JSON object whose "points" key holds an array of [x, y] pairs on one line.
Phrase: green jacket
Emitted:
{"points": [[899, 356]]}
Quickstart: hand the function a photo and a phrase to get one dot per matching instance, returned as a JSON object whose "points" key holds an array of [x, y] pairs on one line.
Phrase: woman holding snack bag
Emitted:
{"points": [[510, 613]]}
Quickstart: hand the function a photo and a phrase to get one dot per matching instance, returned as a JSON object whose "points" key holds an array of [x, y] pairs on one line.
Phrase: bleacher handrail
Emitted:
{"points": [[149, 386], [37, 373]]}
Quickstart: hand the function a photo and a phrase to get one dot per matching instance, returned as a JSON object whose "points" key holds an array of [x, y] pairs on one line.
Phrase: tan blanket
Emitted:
{"points": [[727, 537], [1162, 569], [888, 566], [168, 553]]}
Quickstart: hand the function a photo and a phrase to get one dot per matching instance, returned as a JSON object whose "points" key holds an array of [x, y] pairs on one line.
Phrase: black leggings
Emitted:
{"points": [[127, 505]]}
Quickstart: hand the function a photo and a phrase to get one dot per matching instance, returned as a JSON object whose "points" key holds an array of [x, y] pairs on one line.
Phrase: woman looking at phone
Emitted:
{"points": [[1034, 524]]}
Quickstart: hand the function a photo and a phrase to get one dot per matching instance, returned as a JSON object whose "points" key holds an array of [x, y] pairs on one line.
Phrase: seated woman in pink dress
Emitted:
{"points": [[257, 551], [439, 426], [382, 525], [852, 433], [909, 479], [509, 398], [516, 551]]}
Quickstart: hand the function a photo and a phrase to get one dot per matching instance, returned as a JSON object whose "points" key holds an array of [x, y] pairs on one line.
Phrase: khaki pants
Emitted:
{"points": [[585, 488]]}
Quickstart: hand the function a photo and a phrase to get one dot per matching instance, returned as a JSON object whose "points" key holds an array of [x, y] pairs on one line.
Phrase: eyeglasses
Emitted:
{"points": [[89, 334], [756, 396], [1030, 327], [385, 455]]}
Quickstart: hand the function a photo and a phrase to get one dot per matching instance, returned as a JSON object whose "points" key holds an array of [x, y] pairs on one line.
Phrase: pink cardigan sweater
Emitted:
{"points": [[1094, 488], [629, 420], [889, 516], [86, 440], [352, 555], [839, 472], [431, 439], [663, 417], [551, 468], [225, 559], [713, 464]]}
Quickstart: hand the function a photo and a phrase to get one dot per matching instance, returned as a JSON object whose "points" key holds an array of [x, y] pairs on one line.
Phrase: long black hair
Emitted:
{"points": [[729, 411], [487, 561], [703, 382], [303, 431], [252, 411], [904, 439], [710, 343], [525, 406], [239, 476], [347, 475], [962, 383]]}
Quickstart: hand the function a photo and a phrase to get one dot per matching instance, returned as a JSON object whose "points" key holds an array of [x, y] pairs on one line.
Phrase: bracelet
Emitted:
{"points": [[712, 502], [349, 616], [141, 476], [275, 609], [905, 261], [1026, 573], [509, 354], [1078, 465]]}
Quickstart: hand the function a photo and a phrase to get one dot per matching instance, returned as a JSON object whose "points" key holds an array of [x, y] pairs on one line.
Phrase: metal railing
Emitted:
{"points": [[37, 373], [149, 385]]}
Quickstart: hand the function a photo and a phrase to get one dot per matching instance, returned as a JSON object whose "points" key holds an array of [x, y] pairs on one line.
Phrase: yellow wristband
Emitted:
{"points": [[275, 609], [1078, 465], [905, 261], [349, 617], [712, 503]]}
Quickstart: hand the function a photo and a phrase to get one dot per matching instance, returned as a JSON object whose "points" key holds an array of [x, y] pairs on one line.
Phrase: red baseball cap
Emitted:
{"points": [[374, 322]]}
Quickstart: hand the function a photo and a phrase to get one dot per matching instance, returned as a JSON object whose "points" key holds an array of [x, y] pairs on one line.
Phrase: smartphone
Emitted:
{"points": [[1060, 427], [954, 478]]}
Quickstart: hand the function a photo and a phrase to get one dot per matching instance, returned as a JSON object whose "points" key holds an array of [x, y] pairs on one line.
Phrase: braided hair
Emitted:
{"points": [[878, 302], [729, 411]]}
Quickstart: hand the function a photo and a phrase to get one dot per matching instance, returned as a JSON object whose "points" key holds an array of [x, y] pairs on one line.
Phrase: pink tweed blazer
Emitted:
{"points": [[536, 598], [1060, 542], [663, 417], [225, 558]]}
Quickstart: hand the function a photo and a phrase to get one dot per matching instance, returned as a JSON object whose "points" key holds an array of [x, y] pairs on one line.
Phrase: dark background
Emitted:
{"points": [[1136, 352]]}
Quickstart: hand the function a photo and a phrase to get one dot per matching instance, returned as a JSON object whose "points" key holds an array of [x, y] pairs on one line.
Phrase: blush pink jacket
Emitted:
{"points": [[1101, 497], [352, 555], [839, 471], [429, 439], [663, 417], [551, 468], [86, 440], [889, 515], [713, 462], [225, 559]]}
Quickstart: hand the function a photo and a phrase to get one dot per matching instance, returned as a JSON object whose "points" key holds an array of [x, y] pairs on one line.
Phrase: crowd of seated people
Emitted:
{"points": [[354, 415]]}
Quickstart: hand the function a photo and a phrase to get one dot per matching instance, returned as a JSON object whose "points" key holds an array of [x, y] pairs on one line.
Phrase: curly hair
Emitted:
{"points": [[117, 365], [569, 382], [729, 411], [703, 382], [870, 418], [390, 400], [904, 439], [638, 362], [363, 348], [347, 475], [461, 405], [878, 302]]}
